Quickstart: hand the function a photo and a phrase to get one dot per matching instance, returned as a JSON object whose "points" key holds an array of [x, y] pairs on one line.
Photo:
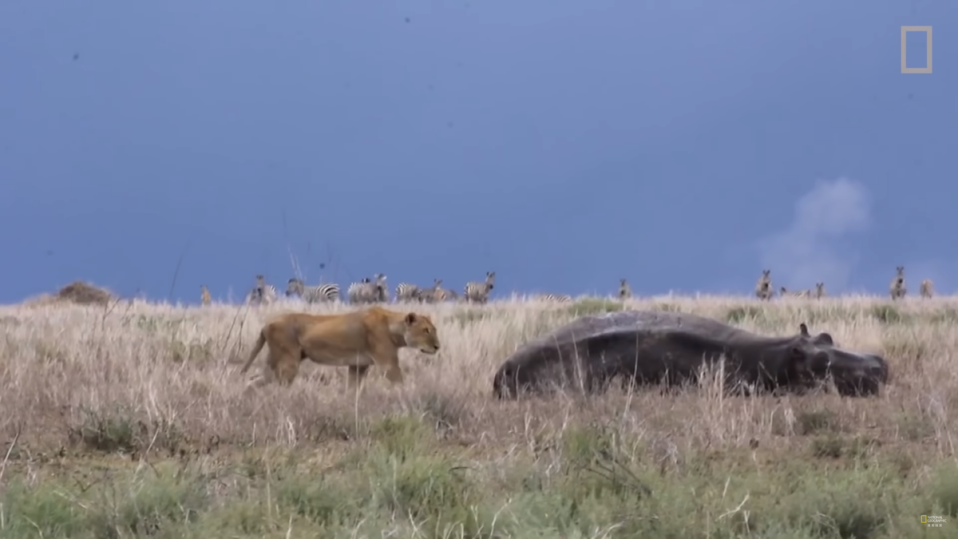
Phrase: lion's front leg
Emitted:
{"points": [[286, 371], [389, 360], [394, 374]]}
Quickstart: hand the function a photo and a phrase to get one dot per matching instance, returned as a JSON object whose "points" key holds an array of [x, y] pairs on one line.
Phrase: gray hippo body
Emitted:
{"points": [[658, 347]]}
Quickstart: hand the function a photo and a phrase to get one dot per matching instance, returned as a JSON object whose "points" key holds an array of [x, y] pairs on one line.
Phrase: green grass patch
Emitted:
{"points": [[592, 306]]}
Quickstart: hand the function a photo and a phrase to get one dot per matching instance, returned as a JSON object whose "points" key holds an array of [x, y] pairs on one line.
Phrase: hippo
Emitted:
{"points": [[659, 347]]}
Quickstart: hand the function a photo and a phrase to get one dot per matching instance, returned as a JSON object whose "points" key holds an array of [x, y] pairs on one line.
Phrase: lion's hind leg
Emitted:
{"points": [[263, 378], [279, 367], [357, 374], [285, 367]]}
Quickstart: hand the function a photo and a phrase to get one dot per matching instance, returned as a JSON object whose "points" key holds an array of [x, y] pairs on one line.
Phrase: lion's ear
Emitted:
{"points": [[411, 318]]}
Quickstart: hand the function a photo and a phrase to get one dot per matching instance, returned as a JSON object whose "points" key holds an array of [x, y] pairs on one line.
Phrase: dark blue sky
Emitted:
{"points": [[684, 145]]}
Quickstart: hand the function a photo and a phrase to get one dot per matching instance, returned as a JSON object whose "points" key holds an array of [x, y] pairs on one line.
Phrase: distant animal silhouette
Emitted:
{"points": [[437, 294], [406, 292], [479, 292], [369, 291], [205, 297], [927, 289], [897, 288], [262, 293], [798, 294], [382, 289], [763, 288], [362, 292], [819, 290], [625, 291]]}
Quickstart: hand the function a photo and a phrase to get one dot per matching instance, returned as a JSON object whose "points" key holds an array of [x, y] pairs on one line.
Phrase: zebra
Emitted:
{"points": [[449, 294], [205, 297], [321, 293], [555, 298], [763, 288], [819, 290], [897, 288], [479, 292], [368, 291], [361, 292], [408, 292], [783, 292], [382, 289], [437, 293], [428, 295], [927, 288], [261, 293], [625, 291]]}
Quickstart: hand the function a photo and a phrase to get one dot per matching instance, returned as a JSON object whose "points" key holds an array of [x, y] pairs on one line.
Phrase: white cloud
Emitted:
{"points": [[810, 249]]}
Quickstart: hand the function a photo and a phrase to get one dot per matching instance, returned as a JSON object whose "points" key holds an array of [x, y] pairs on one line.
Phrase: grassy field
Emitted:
{"points": [[131, 421]]}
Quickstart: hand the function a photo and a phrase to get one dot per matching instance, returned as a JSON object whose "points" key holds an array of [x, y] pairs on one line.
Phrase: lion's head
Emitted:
{"points": [[421, 333]]}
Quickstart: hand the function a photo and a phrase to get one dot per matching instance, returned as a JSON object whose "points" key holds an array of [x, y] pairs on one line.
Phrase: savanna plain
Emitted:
{"points": [[131, 420]]}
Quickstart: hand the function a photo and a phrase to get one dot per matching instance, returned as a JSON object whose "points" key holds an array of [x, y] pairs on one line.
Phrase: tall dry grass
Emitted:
{"points": [[133, 387]]}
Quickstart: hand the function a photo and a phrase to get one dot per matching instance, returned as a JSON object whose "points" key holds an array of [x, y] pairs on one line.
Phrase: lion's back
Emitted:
{"points": [[357, 332]]}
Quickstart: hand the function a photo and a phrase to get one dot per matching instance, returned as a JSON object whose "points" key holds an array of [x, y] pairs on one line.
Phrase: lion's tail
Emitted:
{"points": [[260, 342]]}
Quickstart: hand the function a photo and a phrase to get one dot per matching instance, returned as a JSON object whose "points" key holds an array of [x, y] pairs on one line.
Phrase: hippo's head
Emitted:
{"points": [[814, 357], [525, 370]]}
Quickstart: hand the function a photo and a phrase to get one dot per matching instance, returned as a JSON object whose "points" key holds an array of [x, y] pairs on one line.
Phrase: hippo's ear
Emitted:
{"points": [[804, 329], [824, 338]]}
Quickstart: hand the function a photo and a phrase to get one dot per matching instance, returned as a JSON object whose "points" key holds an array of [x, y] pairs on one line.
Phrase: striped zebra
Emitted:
{"points": [[261, 293], [763, 288], [428, 295], [382, 288], [479, 292], [205, 297], [553, 298], [448, 294], [625, 291], [437, 294], [783, 292], [406, 292], [897, 288], [368, 291], [321, 293]]}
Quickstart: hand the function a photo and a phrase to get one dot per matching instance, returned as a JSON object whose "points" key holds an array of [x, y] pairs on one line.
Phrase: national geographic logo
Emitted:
{"points": [[904, 48]]}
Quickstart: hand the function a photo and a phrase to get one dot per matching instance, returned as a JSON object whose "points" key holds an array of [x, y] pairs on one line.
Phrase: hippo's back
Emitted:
{"points": [[638, 322]]}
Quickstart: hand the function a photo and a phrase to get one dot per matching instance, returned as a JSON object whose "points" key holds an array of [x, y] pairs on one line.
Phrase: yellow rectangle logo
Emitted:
{"points": [[904, 48], [924, 519]]}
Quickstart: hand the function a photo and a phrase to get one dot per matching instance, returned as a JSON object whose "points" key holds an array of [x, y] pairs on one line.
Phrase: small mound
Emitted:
{"points": [[82, 293]]}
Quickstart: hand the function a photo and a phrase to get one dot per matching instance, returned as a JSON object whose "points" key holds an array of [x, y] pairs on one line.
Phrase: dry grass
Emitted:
{"points": [[129, 420]]}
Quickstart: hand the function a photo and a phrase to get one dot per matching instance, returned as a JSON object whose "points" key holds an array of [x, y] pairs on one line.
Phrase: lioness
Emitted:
{"points": [[356, 340]]}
